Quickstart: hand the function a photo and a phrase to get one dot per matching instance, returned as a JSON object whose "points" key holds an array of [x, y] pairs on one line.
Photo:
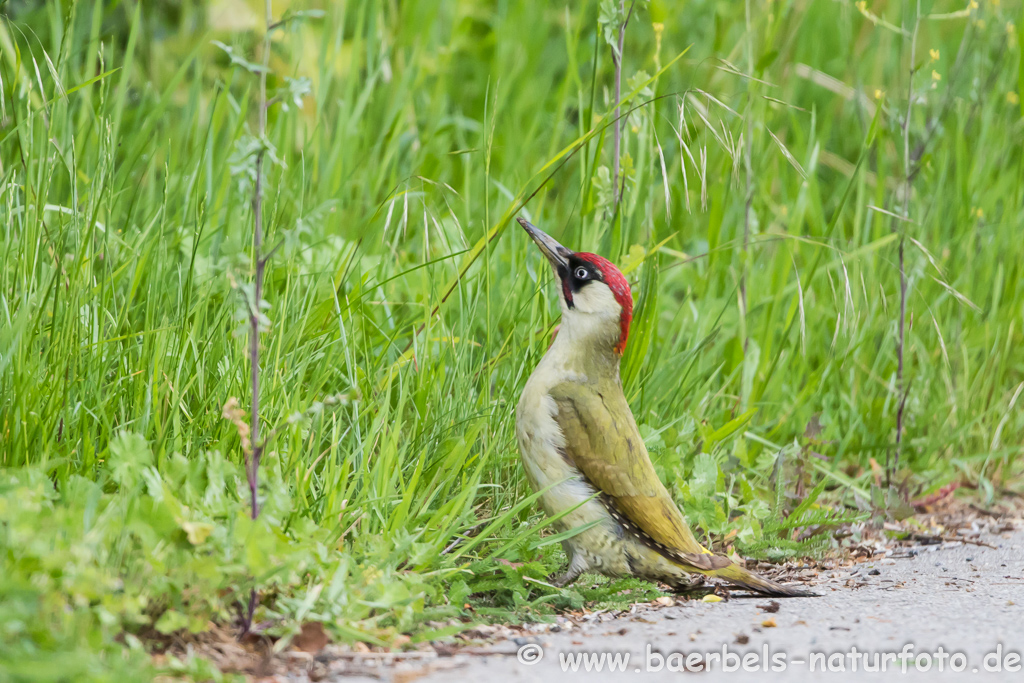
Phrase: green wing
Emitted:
{"points": [[603, 442]]}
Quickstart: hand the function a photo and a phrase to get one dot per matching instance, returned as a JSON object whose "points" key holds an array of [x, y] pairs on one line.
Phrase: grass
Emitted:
{"points": [[404, 315]]}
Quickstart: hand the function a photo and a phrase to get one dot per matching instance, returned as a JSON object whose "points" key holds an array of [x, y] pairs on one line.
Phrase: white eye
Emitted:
{"points": [[581, 273]]}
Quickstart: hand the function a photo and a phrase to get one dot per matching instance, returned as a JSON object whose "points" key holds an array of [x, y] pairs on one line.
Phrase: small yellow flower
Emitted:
{"points": [[1010, 28], [1012, 98], [934, 54], [862, 6], [973, 4], [879, 93], [977, 212], [936, 76]]}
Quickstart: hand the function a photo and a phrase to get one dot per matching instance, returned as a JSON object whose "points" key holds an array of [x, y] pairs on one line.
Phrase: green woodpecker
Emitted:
{"points": [[580, 444]]}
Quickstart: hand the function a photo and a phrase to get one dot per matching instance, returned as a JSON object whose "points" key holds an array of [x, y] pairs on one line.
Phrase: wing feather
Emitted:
{"points": [[603, 442]]}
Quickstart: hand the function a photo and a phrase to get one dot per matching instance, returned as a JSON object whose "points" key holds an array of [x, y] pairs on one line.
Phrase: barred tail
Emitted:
{"points": [[738, 576]]}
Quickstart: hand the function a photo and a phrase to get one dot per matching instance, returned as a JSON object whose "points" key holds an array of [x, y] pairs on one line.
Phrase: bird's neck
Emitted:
{"points": [[586, 346]]}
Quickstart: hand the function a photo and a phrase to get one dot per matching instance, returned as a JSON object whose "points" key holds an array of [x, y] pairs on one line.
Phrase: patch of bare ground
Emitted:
{"points": [[939, 521]]}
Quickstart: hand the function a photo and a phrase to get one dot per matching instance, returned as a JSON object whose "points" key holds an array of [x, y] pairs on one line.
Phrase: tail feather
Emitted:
{"points": [[738, 576]]}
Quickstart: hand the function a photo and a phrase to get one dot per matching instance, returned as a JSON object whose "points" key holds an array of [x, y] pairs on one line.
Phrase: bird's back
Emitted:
{"points": [[573, 420], [603, 442]]}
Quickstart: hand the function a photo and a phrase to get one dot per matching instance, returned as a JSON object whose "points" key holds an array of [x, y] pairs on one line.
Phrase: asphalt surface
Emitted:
{"points": [[967, 600]]}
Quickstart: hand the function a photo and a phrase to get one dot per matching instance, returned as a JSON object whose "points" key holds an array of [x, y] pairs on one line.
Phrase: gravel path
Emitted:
{"points": [[966, 599]]}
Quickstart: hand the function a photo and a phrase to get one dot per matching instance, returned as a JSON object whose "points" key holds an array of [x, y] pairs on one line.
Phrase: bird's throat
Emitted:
{"points": [[586, 349]]}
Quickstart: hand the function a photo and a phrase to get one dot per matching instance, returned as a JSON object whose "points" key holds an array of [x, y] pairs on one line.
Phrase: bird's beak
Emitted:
{"points": [[556, 254]]}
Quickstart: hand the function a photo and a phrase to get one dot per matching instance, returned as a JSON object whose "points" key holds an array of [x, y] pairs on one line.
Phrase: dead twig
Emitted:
{"points": [[929, 539], [617, 131], [748, 166], [901, 393], [967, 541], [252, 461]]}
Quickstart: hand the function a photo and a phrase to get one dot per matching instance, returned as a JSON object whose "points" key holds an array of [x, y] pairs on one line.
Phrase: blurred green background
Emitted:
{"points": [[765, 199]]}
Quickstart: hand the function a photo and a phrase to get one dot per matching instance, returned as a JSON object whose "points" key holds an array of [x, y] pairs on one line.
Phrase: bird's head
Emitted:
{"points": [[597, 306]]}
